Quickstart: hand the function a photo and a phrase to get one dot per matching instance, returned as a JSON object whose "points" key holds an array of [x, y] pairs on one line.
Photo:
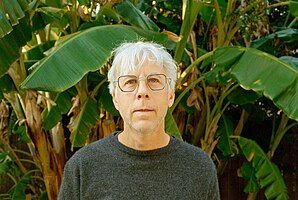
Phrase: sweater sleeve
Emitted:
{"points": [[70, 187]]}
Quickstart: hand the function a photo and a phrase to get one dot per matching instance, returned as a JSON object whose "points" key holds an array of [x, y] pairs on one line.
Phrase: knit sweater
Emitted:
{"points": [[107, 169]]}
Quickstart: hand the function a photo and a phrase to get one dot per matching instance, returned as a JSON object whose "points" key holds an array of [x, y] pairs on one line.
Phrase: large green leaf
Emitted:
{"points": [[84, 52], [10, 44], [248, 173], [224, 131], [63, 104], [266, 43], [135, 17], [171, 126], [264, 74], [54, 16], [11, 11], [267, 173], [82, 124], [190, 16]]}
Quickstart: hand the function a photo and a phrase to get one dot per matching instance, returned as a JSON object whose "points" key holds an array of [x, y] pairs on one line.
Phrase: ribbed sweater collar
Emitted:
{"points": [[113, 138]]}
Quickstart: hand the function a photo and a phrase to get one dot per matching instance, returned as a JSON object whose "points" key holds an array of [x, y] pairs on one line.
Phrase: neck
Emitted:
{"points": [[144, 142]]}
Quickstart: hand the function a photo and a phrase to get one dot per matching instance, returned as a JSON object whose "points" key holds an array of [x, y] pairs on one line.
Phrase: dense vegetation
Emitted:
{"points": [[237, 77]]}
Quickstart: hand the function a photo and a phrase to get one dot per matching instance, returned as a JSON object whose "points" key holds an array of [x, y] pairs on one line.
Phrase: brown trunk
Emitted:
{"points": [[43, 149]]}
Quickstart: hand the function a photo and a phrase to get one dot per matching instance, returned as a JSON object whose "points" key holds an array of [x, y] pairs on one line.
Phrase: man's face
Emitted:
{"points": [[144, 110]]}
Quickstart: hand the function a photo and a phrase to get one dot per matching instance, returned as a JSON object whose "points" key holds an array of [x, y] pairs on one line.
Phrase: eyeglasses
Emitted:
{"points": [[129, 83]]}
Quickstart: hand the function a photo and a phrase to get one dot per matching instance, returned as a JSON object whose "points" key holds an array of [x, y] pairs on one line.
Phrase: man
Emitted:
{"points": [[142, 161]]}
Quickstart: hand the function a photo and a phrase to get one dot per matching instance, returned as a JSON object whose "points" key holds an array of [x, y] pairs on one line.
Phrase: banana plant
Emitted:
{"points": [[71, 78]]}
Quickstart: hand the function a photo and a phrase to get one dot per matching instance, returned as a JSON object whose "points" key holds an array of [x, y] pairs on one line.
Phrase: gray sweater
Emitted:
{"points": [[107, 169]]}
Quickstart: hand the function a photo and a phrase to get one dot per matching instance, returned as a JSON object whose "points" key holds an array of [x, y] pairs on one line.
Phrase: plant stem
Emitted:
{"points": [[278, 4], [192, 65], [178, 99], [293, 22], [94, 92]]}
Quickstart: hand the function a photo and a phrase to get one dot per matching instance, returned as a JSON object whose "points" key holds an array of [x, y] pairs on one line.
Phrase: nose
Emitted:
{"points": [[142, 90]]}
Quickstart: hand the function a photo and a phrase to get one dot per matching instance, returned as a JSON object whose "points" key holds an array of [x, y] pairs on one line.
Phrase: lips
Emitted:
{"points": [[143, 110]]}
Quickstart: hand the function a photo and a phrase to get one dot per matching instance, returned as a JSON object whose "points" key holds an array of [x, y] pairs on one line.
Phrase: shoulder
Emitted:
{"points": [[99, 148], [194, 156]]}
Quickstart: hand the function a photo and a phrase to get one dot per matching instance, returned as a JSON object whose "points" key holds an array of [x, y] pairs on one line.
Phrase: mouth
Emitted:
{"points": [[143, 110]]}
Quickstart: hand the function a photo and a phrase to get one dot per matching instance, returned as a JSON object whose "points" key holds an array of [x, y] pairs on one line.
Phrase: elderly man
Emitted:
{"points": [[142, 161]]}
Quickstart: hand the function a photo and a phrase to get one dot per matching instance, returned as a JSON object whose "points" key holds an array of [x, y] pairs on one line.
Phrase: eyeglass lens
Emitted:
{"points": [[129, 83]]}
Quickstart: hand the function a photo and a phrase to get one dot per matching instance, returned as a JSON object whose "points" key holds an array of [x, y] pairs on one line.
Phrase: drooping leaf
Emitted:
{"points": [[248, 173], [10, 44], [84, 52], [266, 43], [63, 104], [224, 131], [267, 173], [83, 122], [135, 17], [190, 15], [54, 16], [171, 126], [266, 74], [11, 11]]}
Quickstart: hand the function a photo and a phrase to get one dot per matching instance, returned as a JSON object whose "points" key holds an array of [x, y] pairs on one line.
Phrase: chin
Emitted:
{"points": [[144, 128]]}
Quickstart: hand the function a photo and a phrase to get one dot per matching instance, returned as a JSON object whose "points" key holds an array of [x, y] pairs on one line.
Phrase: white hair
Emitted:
{"points": [[131, 56]]}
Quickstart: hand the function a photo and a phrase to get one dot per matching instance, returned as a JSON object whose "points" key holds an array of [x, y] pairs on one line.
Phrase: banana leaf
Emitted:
{"points": [[11, 11], [135, 17], [263, 73], [83, 122], [248, 173], [190, 16], [224, 131], [84, 52], [63, 104], [171, 126], [10, 44], [267, 173], [266, 43]]}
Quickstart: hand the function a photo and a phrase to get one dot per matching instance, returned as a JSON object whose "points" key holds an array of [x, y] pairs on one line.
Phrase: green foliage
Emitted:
{"points": [[259, 71], [266, 173], [135, 17], [82, 124]]}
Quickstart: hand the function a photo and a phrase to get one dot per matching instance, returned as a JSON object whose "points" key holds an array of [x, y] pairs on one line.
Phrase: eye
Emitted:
{"points": [[130, 82], [153, 80]]}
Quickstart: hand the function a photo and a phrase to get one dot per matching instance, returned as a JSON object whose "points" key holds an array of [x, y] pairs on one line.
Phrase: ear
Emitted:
{"points": [[171, 98], [115, 101]]}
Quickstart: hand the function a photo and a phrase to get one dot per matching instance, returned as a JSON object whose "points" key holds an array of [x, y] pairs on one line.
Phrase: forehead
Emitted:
{"points": [[148, 67]]}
